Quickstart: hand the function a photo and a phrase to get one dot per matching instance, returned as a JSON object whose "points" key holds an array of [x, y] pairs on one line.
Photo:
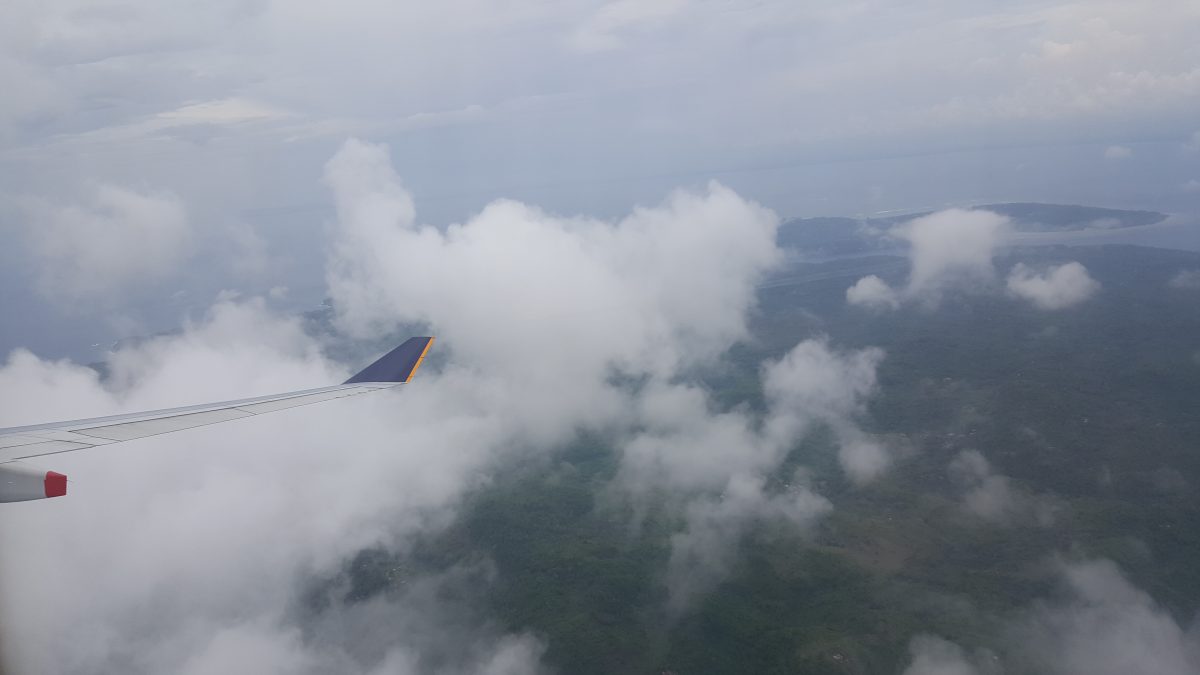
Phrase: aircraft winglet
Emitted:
{"points": [[398, 365]]}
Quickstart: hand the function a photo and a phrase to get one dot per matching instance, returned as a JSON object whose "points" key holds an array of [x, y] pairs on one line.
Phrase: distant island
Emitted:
{"points": [[836, 236]]}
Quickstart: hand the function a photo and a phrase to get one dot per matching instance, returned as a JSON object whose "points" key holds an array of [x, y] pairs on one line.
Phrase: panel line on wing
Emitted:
{"points": [[133, 430]]}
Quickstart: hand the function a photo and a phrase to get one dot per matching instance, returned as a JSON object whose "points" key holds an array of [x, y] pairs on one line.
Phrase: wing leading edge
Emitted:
{"points": [[20, 482]]}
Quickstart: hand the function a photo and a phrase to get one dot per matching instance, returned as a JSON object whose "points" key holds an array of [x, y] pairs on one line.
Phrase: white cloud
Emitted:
{"points": [[1105, 626], [118, 238], [873, 293], [988, 496], [1192, 185], [1186, 279], [31, 388], [559, 305], [664, 286], [993, 497], [1100, 624], [1058, 287], [1117, 152], [863, 459], [685, 447], [953, 250], [707, 548], [258, 645], [716, 463], [816, 383], [224, 111], [949, 250], [200, 118]]}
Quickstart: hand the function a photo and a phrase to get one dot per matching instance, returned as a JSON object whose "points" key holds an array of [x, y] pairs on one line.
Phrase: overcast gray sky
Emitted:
{"points": [[219, 116]]}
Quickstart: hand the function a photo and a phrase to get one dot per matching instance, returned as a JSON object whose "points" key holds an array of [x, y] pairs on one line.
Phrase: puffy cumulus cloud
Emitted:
{"points": [[560, 304], [270, 353], [948, 250], [1105, 625], [993, 497], [988, 496], [873, 293], [1118, 152], [116, 239], [684, 446], [862, 458], [1186, 280], [932, 655], [1058, 287], [32, 390], [196, 550], [951, 248], [715, 464], [814, 383], [706, 549]]}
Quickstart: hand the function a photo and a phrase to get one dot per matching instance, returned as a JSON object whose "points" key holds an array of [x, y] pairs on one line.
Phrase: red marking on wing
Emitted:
{"points": [[56, 484]]}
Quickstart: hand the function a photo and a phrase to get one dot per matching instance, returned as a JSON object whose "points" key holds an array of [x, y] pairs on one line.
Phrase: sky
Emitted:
{"points": [[224, 113], [563, 192]]}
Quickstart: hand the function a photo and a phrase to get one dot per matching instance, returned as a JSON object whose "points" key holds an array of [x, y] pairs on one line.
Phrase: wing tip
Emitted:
{"points": [[420, 359], [398, 365]]}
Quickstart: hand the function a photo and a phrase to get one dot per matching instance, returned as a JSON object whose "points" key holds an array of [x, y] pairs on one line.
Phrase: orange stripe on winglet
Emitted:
{"points": [[419, 360]]}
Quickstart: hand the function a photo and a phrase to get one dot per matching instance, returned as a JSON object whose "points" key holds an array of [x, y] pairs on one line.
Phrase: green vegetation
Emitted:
{"points": [[1093, 411]]}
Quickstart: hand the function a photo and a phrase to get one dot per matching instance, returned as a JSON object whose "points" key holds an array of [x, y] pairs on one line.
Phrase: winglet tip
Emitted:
{"points": [[420, 359], [398, 365]]}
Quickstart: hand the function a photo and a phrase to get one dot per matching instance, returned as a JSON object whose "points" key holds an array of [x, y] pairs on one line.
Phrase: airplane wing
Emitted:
{"points": [[21, 482]]}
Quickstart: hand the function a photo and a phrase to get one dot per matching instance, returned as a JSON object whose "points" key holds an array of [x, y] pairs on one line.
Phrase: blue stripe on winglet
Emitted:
{"points": [[398, 365]]}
